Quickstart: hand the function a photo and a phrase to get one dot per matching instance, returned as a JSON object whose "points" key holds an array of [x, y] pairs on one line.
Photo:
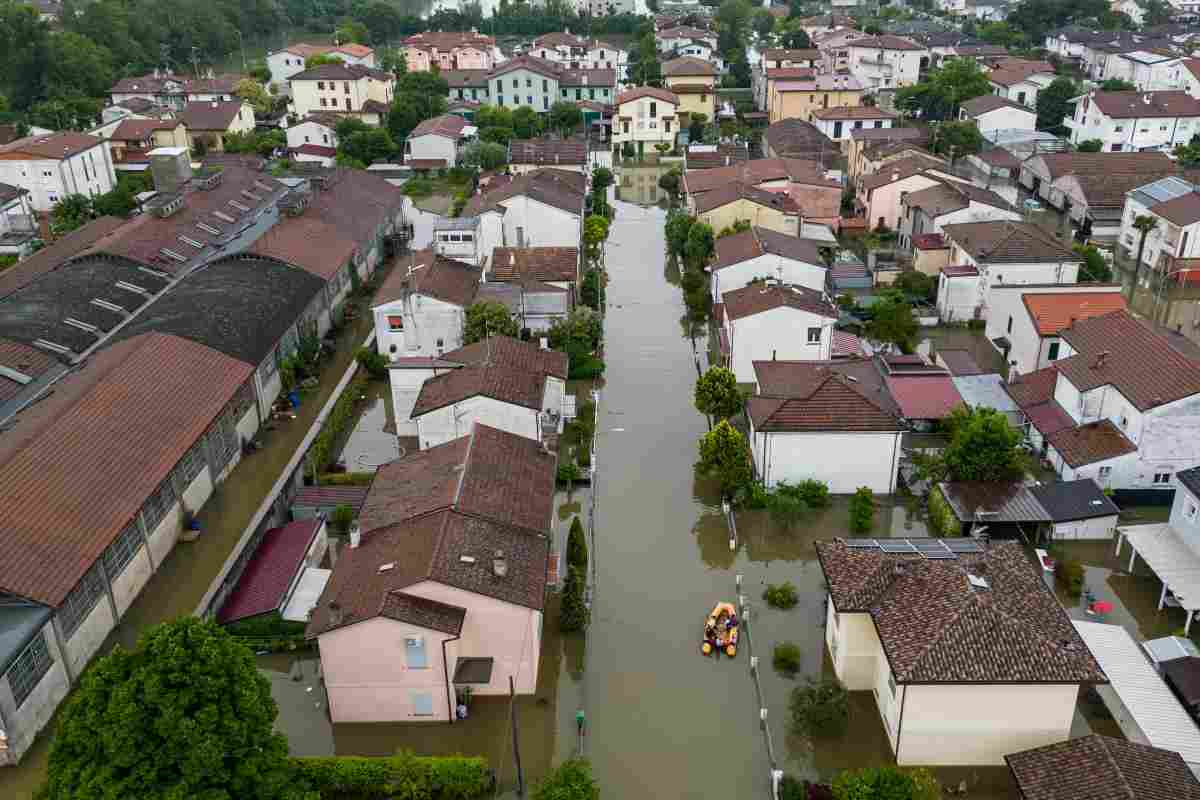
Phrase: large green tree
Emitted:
{"points": [[186, 714], [944, 88], [565, 117], [957, 139], [983, 447], [487, 318], [724, 456], [419, 96], [1054, 104], [892, 322], [717, 393]]}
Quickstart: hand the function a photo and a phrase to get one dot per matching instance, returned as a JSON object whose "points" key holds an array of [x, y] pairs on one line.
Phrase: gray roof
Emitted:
{"points": [[1162, 190], [20, 620], [240, 306], [1190, 480], [1071, 500], [995, 501], [985, 391]]}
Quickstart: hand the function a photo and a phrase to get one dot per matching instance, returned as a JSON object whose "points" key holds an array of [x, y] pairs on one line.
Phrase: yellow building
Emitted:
{"points": [[134, 138], [735, 202], [350, 89], [694, 80], [208, 122], [791, 95]]}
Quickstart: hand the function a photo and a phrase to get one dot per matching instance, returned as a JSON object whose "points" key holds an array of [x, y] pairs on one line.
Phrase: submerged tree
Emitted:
{"points": [[724, 455], [717, 393]]}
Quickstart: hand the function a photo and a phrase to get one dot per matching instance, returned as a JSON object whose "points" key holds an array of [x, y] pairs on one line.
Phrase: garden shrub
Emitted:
{"points": [[819, 708], [575, 614], [346, 478], [786, 658], [401, 777], [577, 554], [372, 361], [781, 595], [862, 510], [942, 521], [266, 625], [886, 783], [583, 457], [1069, 572], [321, 451], [568, 473]]}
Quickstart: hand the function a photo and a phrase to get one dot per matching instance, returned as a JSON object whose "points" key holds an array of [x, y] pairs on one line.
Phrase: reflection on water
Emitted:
{"points": [[373, 441], [639, 184]]}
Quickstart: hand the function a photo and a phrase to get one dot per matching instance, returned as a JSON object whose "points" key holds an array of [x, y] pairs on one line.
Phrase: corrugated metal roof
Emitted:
{"points": [[1145, 697]]}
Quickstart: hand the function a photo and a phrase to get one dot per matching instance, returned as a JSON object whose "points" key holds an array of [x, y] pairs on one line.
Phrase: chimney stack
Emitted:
{"points": [[355, 534], [499, 564], [335, 613]]}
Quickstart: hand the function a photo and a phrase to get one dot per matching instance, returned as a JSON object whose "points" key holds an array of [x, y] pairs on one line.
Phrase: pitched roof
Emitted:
{"points": [[756, 171], [1087, 444], [55, 146], [924, 396], [263, 585], [780, 54], [1182, 210], [136, 130], [752, 243], [423, 612], [427, 273], [211, 115], [890, 134], [757, 298], [1010, 76], [510, 353], [1143, 105], [687, 65], [548, 152], [341, 71], [1066, 501], [990, 102], [733, 192], [1119, 350], [852, 112], [561, 189], [1098, 767], [1005, 242], [449, 40], [636, 92], [1056, 310], [886, 42], [1059, 164], [818, 396], [936, 627], [449, 126], [1034, 387], [949, 196], [794, 137], [900, 169], [162, 83], [516, 387], [550, 264], [960, 362], [1000, 501], [75, 469], [56, 254]]}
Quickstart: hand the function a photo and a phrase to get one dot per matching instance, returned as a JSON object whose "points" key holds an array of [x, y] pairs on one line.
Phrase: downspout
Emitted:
{"points": [[900, 722], [450, 694], [895, 465]]}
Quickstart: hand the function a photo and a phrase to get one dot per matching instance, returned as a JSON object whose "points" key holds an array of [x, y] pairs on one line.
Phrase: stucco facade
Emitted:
{"points": [[1010, 318], [863, 459], [770, 265], [759, 215], [780, 334]]}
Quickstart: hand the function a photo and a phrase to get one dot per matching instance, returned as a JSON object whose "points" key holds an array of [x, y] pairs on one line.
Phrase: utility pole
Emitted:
{"points": [[512, 709]]}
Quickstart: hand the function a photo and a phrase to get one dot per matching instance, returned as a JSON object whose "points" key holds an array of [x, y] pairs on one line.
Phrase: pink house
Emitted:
{"points": [[449, 50], [443, 585]]}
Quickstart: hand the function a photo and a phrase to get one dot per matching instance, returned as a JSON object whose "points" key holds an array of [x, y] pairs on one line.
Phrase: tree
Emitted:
{"points": [[717, 394], [644, 67], [669, 183], [739, 71], [1188, 155], [363, 143], [394, 61], [570, 780], [527, 124], [69, 213], [1156, 12], [794, 37], [946, 87], [696, 126], [678, 226], [1090, 146], [1117, 85], [819, 709], [591, 289], [1144, 224], [574, 615], [892, 321], [862, 510], [763, 23], [1054, 104], [700, 247], [319, 59], [577, 554], [733, 24], [916, 284], [602, 178], [184, 714], [486, 155], [419, 96], [886, 783], [565, 117], [487, 318], [983, 447], [723, 455], [255, 94], [351, 31], [595, 231], [259, 71], [1095, 268], [957, 139]]}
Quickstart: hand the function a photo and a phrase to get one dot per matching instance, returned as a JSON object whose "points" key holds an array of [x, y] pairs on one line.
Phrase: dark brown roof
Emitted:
{"points": [[852, 112], [757, 298], [936, 627], [960, 362], [212, 115], [551, 264], [423, 612], [1000, 501], [1059, 164], [1007, 242], [901, 168], [466, 78], [548, 152], [510, 353], [448, 125], [1102, 768], [558, 188], [886, 42], [756, 171], [752, 243], [158, 84], [1087, 444], [53, 256], [1119, 350], [647, 91], [990, 102], [426, 273], [890, 134], [952, 196], [687, 65], [1009, 75], [732, 192], [307, 242], [1033, 388], [136, 130], [777, 54], [516, 387], [341, 71], [817, 396], [797, 138], [55, 146], [75, 468], [1143, 105]]}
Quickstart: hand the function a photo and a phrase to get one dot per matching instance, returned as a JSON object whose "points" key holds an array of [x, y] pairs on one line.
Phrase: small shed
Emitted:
{"points": [[274, 572], [987, 391], [960, 363], [1007, 510], [320, 501], [1077, 509]]}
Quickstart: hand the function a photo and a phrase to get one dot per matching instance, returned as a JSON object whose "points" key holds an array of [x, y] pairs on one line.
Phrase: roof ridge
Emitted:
{"points": [[465, 466], [436, 552], [1117, 768]]}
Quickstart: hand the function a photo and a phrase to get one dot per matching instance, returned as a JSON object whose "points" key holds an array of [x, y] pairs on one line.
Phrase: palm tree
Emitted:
{"points": [[1144, 223]]}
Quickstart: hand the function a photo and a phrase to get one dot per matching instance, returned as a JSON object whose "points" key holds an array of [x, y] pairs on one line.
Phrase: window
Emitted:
{"points": [[500, 100], [1190, 510], [1105, 472], [422, 704], [81, 600], [190, 465], [1118, 128], [667, 125], [395, 323], [624, 127], [322, 101], [1052, 353], [347, 103], [545, 86], [1116, 148], [516, 84], [653, 110], [414, 652], [27, 671], [545, 104], [814, 335], [1010, 321], [529, 83], [122, 550], [156, 508], [321, 86], [1162, 477], [346, 87]]}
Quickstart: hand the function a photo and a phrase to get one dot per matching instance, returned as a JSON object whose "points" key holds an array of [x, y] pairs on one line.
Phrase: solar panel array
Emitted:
{"points": [[929, 548]]}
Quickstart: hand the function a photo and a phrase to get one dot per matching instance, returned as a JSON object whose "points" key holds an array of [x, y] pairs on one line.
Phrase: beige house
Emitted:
{"points": [[133, 139], [968, 653], [693, 80], [646, 117], [735, 202], [868, 148], [879, 195], [351, 89], [209, 121], [799, 97]]}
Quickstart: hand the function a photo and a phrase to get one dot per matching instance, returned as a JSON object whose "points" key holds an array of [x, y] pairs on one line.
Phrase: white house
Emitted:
{"points": [[420, 308], [288, 62], [1135, 120], [18, 224], [671, 39], [542, 208], [762, 254], [351, 89], [805, 407], [438, 142], [458, 238], [645, 117], [983, 254], [992, 112], [886, 62], [1025, 321], [1174, 205], [576, 52], [771, 321], [1020, 81], [1148, 71], [53, 166], [318, 129], [837, 123], [968, 653], [929, 210]]}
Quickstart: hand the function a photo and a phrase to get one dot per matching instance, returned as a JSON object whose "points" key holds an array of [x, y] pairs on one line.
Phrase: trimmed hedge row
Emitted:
{"points": [[401, 777]]}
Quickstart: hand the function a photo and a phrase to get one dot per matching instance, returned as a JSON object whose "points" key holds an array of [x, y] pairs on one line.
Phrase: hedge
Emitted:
{"points": [[321, 453], [401, 777], [942, 521]]}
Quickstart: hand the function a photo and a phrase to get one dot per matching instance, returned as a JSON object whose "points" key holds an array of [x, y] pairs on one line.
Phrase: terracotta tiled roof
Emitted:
{"points": [[725, 155], [548, 152], [901, 168], [1032, 388], [510, 353], [1004, 241], [426, 273], [517, 388], [1009, 73], [1059, 164], [929, 241], [887, 42], [999, 157], [752, 243], [158, 84], [950, 196], [1102, 768], [341, 71], [757, 298], [1053, 312], [313, 496], [778, 54], [990, 102], [1144, 105], [960, 271], [817, 396], [136, 130], [552, 264], [308, 242], [924, 396], [53, 146], [687, 65], [852, 112], [732, 192], [797, 139], [449, 40], [1087, 444], [212, 115], [449, 126], [315, 150], [75, 468], [423, 612], [558, 188], [936, 627], [756, 171], [665, 95], [268, 575], [960, 362]]}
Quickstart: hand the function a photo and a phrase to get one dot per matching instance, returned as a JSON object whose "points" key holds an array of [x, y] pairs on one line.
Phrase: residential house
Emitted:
{"points": [[879, 194], [992, 112], [671, 39], [290, 61], [1135, 121], [1095, 201], [1062, 510], [1026, 322], [132, 140], [863, 153], [925, 393], [711, 156], [352, 89], [895, 625], [444, 584], [420, 308], [526, 155], [837, 123], [930, 210], [506, 383], [209, 122], [736, 202], [314, 138], [1189, 76], [557, 266], [467, 85], [693, 81], [1039, 172], [541, 208], [930, 253], [761, 322], [449, 50], [803, 407], [827, 23], [804, 181], [698, 48], [18, 223], [760, 254], [579, 53], [798, 92], [646, 117], [1174, 205], [996, 165], [98, 551], [174, 91], [998, 252], [438, 142], [53, 166], [1148, 71], [274, 571], [886, 61], [459, 238], [1136, 768], [777, 58], [1020, 81], [794, 138], [538, 84]]}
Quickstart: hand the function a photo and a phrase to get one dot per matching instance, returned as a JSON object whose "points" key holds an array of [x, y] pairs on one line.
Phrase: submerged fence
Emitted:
{"points": [[745, 635]]}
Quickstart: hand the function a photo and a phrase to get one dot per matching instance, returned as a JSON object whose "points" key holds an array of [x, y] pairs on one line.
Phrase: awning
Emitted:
{"points": [[1173, 562], [473, 670], [308, 592]]}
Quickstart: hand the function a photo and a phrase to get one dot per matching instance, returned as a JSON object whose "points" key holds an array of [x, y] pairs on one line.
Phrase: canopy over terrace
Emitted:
{"points": [[1174, 563]]}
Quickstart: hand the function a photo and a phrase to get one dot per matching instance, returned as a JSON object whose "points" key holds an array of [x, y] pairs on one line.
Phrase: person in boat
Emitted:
{"points": [[730, 622]]}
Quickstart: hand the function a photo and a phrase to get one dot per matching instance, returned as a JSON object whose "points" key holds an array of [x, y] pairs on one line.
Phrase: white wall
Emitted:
{"points": [[1030, 350], [311, 133], [1130, 134], [455, 420], [1096, 528], [784, 270], [779, 334], [1185, 517], [89, 173], [853, 646], [863, 459], [406, 384], [432, 146], [24, 723], [529, 223], [957, 297], [87, 639], [427, 321]]}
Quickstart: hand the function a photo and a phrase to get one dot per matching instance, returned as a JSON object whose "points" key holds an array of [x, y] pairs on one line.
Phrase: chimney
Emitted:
{"points": [[895, 176], [335, 613], [499, 564], [1100, 359], [214, 103], [355, 534]]}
